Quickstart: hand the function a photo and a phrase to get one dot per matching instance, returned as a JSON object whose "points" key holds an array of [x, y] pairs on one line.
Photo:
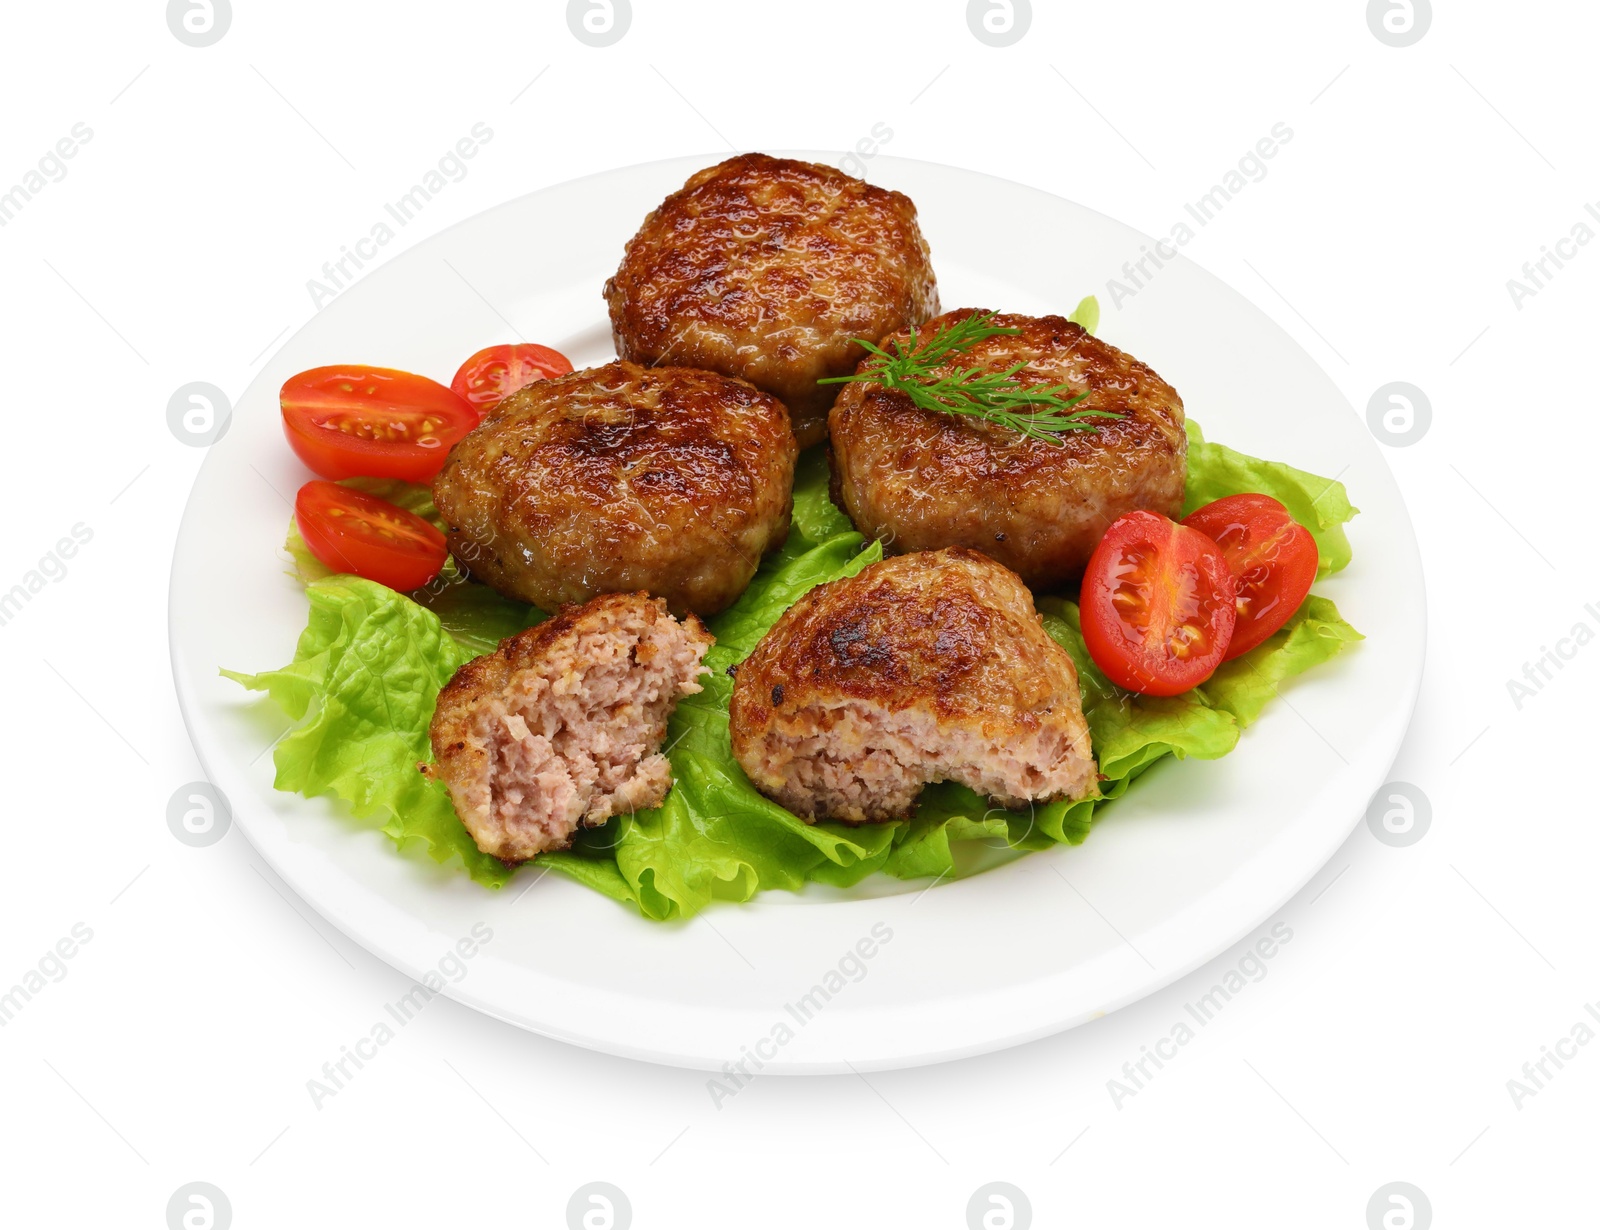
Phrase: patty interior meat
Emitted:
{"points": [[921, 668], [562, 724], [920, 479], [767, 268]]}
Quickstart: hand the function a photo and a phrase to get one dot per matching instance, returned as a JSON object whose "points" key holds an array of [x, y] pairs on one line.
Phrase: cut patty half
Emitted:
{"points": [[562, 725], [766, 268], [921, 479], [922, 668]]}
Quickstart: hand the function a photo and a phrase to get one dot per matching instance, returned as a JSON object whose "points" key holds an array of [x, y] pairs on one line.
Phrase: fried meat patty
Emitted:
{"points": [[922, 668], [620, 478], [765, 268], [921, 479], [562, 724]]}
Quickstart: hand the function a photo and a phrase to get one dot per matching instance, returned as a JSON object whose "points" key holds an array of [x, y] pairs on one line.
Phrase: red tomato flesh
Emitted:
{"points": [[354, 421], [1273, 559], [1157, 605], [499, 371], [351, 531]]}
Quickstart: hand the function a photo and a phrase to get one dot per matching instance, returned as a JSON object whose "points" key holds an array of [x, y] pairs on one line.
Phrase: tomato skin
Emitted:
{"points": [[1157, 605], [1273, 559], [355, 421], [496, 372], [351, 531]]}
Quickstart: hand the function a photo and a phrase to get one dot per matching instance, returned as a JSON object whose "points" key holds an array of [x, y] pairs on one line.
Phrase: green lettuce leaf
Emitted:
{"points": [[477, 617], [716, 836], [1319, 504], [1313, 634], [370, 663], [1129, 732], [816, 517], [362, 685]]}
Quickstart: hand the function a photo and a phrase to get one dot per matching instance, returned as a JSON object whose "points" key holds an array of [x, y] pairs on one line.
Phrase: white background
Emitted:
{"points": [[177, 248]]}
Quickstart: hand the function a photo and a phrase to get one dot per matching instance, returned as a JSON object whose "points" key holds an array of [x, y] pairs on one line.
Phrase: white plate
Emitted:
{"points": [[1194, 857]]}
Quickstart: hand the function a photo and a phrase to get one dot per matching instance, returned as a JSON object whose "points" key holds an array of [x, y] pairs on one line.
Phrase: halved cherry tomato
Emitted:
{"points": [[1273, 559], [351, 531], [1157, 605], [354, 421], [500, 371]]}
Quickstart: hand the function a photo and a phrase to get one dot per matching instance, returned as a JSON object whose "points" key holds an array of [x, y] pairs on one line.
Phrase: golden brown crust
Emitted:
{"points": [[921, 480], [949, 632], [620, 478], [766, 268]]}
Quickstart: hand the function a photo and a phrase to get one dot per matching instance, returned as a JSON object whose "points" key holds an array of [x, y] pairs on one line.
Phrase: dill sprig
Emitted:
{"points": [[1042, 412]]}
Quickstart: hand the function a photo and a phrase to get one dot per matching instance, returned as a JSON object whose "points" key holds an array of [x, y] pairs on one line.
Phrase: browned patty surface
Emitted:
{"points": [[765, 268], [920, 479], [923, 667], [670, 480]]}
